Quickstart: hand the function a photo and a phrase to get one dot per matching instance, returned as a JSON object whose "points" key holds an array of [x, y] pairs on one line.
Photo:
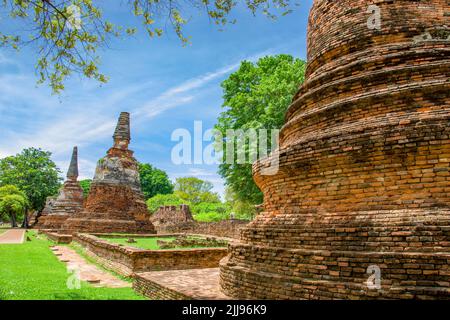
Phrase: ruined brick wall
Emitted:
{"points": [[225, 228], [178, 219], [128, 260], [154, 291], [171, 215], [364, 164]]}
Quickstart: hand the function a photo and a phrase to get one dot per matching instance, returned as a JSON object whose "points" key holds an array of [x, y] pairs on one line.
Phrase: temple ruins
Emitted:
{"points": [[115, 202], [68, 202]]}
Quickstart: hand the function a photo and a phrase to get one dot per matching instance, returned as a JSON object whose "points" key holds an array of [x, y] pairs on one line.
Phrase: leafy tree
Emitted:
{"points": [[67, 34], [86, 186], [13, 203], [154, 181], [241, 209], [256, 97], [159, 200], [33, 172], [208, 212], [195, 190]]}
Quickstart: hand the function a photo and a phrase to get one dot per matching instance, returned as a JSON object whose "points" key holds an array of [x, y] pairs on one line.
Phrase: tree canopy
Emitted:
{"points": [[256, 96], [194, 190], [159, 200], [33, 172], [68, 34], [13, 203], [154, 181]]}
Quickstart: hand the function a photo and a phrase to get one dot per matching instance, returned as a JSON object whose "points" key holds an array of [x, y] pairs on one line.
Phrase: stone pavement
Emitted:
{"points": [[13, 236], [87, 271], [197, 284]]}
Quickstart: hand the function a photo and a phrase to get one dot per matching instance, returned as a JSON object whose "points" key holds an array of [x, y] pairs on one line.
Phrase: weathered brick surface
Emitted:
{"points": [[156, 291], [128, 260], [69, 201], [225, 228], [115, 202], [171, 215], [197, 284], [364, 158], [178, 219], [58, 238]]}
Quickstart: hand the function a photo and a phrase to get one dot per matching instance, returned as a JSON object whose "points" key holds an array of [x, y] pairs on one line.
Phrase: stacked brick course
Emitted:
{"points": [[115, 202], [364, 176]]}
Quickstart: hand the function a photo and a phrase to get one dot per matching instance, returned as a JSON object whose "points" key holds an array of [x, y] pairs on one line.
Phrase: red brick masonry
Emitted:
{"points": [[364, 164], [129, 260]]}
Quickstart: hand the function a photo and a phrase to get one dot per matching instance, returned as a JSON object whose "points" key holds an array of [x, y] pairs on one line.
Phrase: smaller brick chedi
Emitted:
{"points": [[115, 202], [68, 202]]}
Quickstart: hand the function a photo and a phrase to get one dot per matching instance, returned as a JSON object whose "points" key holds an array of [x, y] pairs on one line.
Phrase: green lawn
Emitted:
{"points": [[146, 243], [141, 243], [30, 271]]}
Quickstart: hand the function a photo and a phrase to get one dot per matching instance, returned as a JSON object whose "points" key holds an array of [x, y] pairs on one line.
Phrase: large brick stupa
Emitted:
{"points": [[68, 202], [360, 206], [115, 202]]}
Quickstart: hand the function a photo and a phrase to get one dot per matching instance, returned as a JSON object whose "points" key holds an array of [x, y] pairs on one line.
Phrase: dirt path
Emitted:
{"points": [[12, 236]]}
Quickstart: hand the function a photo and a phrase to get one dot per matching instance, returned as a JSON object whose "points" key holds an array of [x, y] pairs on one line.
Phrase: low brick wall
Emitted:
{"points": [[128, 260], [225, 228], [58, 238], [154, 291]]}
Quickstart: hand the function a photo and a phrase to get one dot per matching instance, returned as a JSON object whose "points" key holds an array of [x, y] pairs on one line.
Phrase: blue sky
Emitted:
{"points": [[164, 86]]}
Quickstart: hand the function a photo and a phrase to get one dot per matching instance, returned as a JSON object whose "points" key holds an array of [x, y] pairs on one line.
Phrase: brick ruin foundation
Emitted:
{"points": [[171, 215], [115, 202], [127, 260], [363, 181], [68, 202], [178, 219]]}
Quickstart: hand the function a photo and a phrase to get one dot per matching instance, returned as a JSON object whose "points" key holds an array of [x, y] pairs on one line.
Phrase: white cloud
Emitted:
{"points": [[87, 115]]}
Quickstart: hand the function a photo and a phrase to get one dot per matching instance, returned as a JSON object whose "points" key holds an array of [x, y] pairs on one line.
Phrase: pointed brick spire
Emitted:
{"points": [[72, 173], [122, 132]]}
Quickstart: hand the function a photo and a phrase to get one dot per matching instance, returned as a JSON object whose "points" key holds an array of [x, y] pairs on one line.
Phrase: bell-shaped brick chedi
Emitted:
{"points": [[360, 205], [115, 202], [68, 202]]}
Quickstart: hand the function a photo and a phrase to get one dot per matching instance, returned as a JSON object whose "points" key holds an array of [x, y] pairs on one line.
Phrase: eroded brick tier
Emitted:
{"points": [[364, 164], [115, 202], [68, 202]]}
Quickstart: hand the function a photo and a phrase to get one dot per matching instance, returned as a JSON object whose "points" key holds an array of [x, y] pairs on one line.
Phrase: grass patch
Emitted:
{"points": [[141, 243], [30, 271], [149, 243]]}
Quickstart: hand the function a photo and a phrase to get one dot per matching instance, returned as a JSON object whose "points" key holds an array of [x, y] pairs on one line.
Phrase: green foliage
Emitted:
{"points": [[243, 210], [86, 186], [67, 34], [208, 212], [33, 172], [159, 200], [256, 97], [13, 204], [194, 190], [154, 181], [31, 271]]}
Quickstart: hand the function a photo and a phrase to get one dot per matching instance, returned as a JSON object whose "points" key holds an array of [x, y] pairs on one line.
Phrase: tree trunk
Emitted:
{"points": [[25, 221], [13, 220]]}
